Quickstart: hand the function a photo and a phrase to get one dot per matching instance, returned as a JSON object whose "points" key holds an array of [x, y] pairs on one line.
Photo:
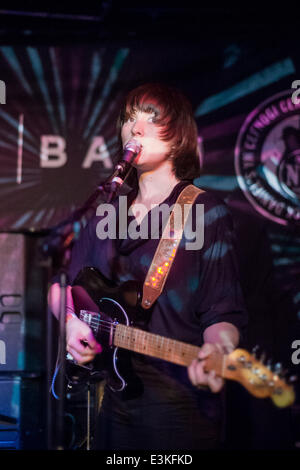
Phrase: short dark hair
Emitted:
{"points": [[174, 113]]}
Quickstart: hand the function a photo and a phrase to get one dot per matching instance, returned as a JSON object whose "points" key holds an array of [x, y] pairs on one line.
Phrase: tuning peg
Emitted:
{"points": [[277, 368], [283, 373], [262, 357], [258, 354], [292, 379], [269, 364], [255, 350]]}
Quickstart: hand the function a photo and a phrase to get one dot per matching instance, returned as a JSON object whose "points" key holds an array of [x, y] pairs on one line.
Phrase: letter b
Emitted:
{"points": [[52, 146]]}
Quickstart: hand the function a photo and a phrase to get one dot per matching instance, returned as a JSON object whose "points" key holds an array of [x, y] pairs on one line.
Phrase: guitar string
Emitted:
{"points": [[152, 339], [108, 325]]}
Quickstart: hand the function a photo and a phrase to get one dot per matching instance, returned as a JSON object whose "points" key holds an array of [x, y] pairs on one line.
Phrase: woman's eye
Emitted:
{"points": [[129, 119]]}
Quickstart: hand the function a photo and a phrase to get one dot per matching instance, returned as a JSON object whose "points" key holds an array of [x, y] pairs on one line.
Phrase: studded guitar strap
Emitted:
{"points": [[168, 245]]}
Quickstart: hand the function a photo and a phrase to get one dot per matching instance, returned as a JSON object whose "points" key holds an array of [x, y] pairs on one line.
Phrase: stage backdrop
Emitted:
{"points": [[58, 140]]}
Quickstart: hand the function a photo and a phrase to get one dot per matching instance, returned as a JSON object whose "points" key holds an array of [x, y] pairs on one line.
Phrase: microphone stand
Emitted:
{"points": [[54, 247], [62, 362]]}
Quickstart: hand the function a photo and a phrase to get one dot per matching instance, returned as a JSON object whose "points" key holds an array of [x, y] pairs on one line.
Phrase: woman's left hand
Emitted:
{"points": [[197, 374]]}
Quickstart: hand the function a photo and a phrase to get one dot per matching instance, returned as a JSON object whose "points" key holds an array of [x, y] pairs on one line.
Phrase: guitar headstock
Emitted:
{"points": [[258, 378]]}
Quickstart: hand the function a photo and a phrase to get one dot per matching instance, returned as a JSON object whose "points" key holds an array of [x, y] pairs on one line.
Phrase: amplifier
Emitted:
{"points": [[23, 311]]}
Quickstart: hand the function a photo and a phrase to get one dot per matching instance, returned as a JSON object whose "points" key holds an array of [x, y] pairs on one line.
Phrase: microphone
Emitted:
{"points": [[122, 169], [131, 150]]}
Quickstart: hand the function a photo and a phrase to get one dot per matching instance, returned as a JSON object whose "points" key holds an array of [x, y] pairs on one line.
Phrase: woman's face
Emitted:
{"points": [[141, 126]]}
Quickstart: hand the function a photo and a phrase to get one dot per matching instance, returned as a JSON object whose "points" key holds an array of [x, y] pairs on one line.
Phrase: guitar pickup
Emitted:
{"points": [[111, 333]]}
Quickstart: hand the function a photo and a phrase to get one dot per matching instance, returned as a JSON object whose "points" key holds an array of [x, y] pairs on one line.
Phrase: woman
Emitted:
{"points": [[201, 304]]}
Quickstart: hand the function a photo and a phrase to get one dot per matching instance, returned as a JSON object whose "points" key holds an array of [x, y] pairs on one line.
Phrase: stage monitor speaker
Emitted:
{"points": [[23, 297]]}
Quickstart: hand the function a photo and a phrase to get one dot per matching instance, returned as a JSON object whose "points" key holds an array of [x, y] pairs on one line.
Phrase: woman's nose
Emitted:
{"points": [[137, 128]]}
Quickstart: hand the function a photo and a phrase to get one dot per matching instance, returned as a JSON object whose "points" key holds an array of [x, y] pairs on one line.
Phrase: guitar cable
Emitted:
{"points": [[56, 370], [53, 382]]}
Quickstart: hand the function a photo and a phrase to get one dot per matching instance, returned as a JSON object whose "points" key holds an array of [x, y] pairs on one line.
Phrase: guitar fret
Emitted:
{"points": [[140, 341], [151, 344], [147, 343]]}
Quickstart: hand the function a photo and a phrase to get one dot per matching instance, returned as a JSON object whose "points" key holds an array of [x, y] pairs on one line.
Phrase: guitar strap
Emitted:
{"points": [[168, 245]]}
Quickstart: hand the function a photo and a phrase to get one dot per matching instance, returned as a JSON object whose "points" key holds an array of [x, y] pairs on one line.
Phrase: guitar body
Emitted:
{"points": [[103, 305]]}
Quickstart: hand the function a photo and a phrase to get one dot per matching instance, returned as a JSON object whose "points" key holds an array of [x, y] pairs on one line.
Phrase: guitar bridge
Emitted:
{"points": [[87, 317]]}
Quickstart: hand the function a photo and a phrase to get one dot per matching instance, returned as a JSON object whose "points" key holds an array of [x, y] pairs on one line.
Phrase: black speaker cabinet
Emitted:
{"points": [[23, 285]]}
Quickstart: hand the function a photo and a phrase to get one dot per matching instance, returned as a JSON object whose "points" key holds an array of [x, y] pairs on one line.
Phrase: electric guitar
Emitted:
{"points": [[111, 312]]}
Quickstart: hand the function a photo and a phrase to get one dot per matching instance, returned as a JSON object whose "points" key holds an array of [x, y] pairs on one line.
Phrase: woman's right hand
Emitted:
{"points": [[80, 341]]}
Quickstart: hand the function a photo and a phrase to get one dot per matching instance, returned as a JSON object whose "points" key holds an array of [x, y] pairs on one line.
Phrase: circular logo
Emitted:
{"points": [[267, 159]]}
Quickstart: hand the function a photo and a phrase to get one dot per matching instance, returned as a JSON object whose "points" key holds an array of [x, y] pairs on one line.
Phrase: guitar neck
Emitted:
{"points": [[161, 347]]}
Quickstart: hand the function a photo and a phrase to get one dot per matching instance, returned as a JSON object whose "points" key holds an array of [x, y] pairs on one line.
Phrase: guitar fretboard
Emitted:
{"points": [[154, 345], [150, 344]]}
